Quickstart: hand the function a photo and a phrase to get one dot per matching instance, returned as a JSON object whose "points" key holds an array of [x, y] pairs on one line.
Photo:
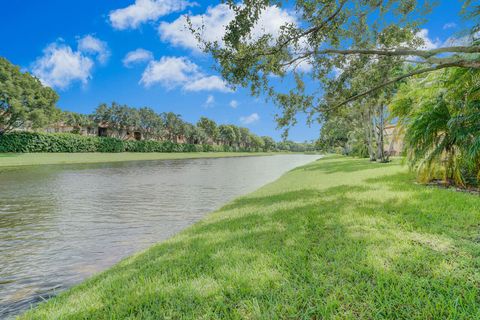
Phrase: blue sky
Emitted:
{"points": [[81, 48]]}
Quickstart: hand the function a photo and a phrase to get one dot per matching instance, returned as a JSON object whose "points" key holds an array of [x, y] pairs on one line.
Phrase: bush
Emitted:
{"points": [[106, 144], [43, 142], [24, 142]]}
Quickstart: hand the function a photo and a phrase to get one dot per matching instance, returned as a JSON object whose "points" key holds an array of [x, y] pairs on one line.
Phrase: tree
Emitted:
{"points": [[226, 135], [238, 135], [334, 134], [441, 116], [245, 137], [77, 120], [209, 127], [326, 37], [127, 120], [367, 116], [123, 120], [174, 125], [150, 124], [257, 143], [24, 101], [269, 143], [195, 135], [102, 114]]}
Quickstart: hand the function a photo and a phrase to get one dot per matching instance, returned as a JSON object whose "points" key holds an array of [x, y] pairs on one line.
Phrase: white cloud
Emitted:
{"points": [[145, 10], [210, 101], [90, 44], [172, 72], [60, 66], [169, 72], [136, 56], [450, 25], [214, 22], [466, 40], [234, 104], [304, 66], [428, 43], [207, 83], [254, 117]]}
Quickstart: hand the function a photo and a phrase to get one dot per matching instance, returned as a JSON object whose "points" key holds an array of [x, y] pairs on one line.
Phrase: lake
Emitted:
{"points": [[60, 224]]}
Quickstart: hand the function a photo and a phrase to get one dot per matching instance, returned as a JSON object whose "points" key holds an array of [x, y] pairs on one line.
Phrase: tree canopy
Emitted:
{"points": [[329, 37], [24, 101]]}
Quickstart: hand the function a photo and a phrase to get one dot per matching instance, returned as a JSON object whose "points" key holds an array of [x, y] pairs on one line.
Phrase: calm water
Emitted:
{"points": [[60, 224]]}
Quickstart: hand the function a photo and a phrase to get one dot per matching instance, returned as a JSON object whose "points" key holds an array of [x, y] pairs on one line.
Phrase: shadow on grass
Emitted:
{"points": [[306, 254]]}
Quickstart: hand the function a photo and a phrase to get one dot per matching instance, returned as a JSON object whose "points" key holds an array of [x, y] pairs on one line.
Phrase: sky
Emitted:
{"points": [[137, 52]]}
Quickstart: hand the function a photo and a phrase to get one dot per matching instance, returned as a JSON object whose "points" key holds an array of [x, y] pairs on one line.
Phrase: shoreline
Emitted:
{"points": [[35, 159], [336, 238]]}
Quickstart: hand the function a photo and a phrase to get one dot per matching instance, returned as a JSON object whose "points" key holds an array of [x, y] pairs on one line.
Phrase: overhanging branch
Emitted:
{"points": [[402, 51], [460, 63]]}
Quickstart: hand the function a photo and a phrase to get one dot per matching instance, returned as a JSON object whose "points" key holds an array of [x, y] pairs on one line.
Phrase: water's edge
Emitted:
{"points": [[41, 298]]}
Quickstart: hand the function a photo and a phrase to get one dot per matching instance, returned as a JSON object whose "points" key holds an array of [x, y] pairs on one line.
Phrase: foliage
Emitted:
{"points": [[108, 144], [25, 105], [24, 101], [226, 135], [358, 128], [20, 142], [441, 116], [58, 142], [209, 127], [334, 134], [268, 143], [171, 128], [339, 238], [328, 37]]}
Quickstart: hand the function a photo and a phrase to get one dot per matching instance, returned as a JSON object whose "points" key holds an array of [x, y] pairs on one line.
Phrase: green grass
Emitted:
{"points": [[336, 239], [28, 159]]}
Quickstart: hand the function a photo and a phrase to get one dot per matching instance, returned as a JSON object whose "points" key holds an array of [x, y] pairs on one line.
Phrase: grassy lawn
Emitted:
{"points": [[336, 239], [26, 159]]}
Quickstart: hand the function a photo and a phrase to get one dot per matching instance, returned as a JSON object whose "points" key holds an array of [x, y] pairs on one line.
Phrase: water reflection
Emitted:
{"points": [[61, 224]]}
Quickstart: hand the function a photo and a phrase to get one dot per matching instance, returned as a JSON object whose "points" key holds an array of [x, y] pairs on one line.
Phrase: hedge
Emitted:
{"points": [[24, 142]]}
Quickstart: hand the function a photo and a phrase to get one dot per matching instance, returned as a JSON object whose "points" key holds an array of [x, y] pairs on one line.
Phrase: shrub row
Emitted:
{"points": [[24, 142]]}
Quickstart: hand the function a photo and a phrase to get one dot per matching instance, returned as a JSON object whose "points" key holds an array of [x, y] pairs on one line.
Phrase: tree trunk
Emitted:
{"points": [[381, 156], [369, 134]]}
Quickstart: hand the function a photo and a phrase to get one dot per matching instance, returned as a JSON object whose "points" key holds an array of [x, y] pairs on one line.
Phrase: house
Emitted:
{"points": [[394, 136], [104, 130]]}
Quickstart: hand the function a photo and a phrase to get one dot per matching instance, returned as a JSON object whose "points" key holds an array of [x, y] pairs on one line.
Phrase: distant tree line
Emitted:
{"points": [[123, 121], [27, 105]]}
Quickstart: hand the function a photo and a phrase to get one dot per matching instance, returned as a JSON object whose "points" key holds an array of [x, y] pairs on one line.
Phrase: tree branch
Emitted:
{"points": [[402, 51], [305, 33], [317, 28], [427, 55], [397, 79]]}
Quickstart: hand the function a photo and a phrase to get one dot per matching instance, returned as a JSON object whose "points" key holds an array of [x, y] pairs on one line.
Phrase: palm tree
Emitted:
{"points": [[194, 135], [77, 121], [174, 126], [209, 127], [245, 137], [441, 115], [150, 124], [226, 135]]}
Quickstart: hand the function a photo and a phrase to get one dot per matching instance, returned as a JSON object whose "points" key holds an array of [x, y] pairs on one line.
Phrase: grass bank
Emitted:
{"points": [[336, 239], [28, 159]]}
